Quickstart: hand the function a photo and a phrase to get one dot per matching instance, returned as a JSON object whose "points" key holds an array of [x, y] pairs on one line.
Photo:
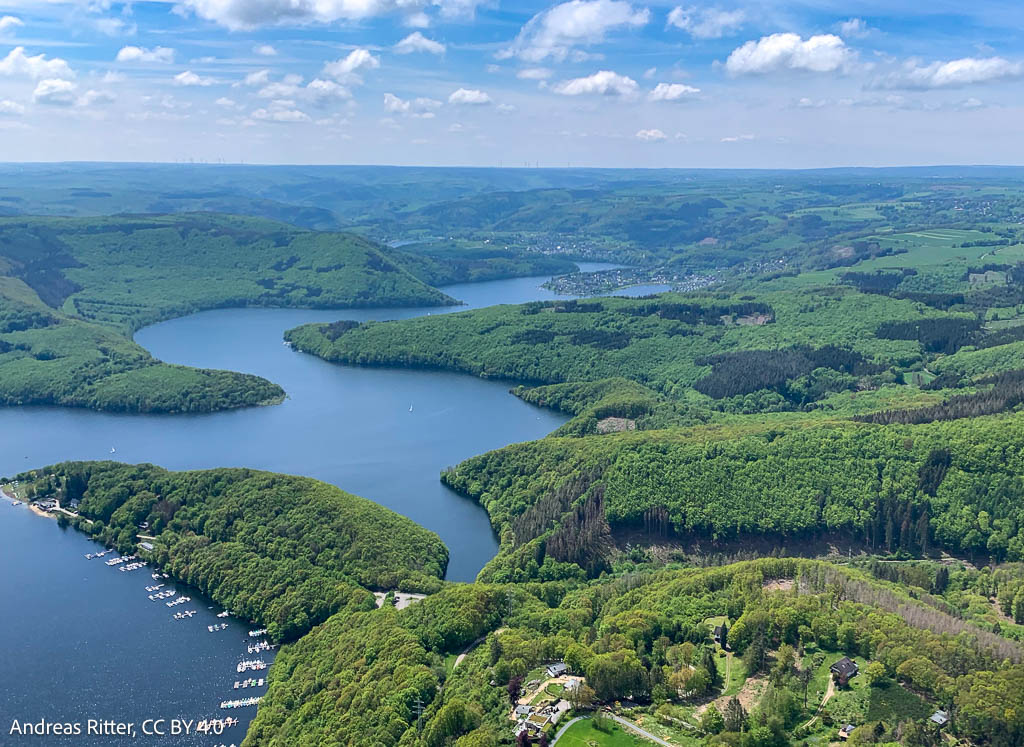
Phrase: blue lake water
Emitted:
{"points": [[83, 640]]}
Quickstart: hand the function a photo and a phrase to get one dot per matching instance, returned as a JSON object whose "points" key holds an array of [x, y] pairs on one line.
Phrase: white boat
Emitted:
{"points": [[410, 408], [113, 450]]}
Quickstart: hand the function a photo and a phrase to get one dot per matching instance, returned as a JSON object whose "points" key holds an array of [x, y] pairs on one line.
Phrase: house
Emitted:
{"points": [[939, 718], [844, 733], [844, 669], [557, 669], [523, 710], [716, 634]]}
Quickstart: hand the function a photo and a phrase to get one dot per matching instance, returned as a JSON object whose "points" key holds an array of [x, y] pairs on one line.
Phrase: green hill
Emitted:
{"points": [[72, 290], [284, 551]]}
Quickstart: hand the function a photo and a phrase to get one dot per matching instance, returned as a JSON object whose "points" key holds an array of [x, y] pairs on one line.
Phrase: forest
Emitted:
{"points": [[286, 552], [916, 490], [50, 358], [643, 638]]}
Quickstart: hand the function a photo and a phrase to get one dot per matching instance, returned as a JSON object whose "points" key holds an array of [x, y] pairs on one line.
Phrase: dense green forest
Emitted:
{"points": [[286, 552], [951, 485], [48, 357], [644, 637], [73, 289]]}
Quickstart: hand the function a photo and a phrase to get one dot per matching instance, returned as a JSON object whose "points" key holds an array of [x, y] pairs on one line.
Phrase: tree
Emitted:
{"points": [[580, 697], [875, 674], [804, 675], [515, 687], [735, 716], [494, 648], [711, 721]]}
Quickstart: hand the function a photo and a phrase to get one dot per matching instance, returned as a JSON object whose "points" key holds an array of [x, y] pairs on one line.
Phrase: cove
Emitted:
{"points": [[83, 639]]}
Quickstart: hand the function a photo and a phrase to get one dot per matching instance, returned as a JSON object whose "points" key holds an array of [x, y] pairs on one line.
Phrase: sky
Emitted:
{"points": [[768, 84]]}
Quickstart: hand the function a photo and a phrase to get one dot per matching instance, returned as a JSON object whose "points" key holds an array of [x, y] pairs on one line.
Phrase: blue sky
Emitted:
{"points": [[463, 82]]}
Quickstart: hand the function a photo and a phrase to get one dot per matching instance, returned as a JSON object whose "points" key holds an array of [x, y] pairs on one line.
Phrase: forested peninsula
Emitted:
{"points": [[286, 552], [72, 290]]}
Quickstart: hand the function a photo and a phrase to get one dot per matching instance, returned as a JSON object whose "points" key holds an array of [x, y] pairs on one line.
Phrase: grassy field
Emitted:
{"points": [[583, 734]]}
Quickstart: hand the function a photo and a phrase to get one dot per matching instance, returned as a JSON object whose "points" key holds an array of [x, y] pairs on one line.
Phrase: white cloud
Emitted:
{"points": [[952, 74], [651, 136], [7, 23], [54, 92], [112, 76], [420, 107], [280, 114], [249, 14], [417, 42], [394, 104], [258, 78], [855, 28], [737, 139], [321, 90], [818, 54], [419, 20], [225, 102], [11, 108], [344, 70], [91, 97], [140, 54], [650, 72], [671, 92], [557, 30], [188, 78], [264, 50], [115, 27], [534, 73], [469, 96], [604, 82], [706, 23], [18, 63]]}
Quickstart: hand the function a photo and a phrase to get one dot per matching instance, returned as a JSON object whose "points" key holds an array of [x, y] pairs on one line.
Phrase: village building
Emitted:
{"points": [[557, 669], [844, 669]]}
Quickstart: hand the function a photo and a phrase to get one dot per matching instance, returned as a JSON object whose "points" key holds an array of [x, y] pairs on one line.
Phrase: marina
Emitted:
{"points": [[251, 665], [241, 703], [64, 612]]}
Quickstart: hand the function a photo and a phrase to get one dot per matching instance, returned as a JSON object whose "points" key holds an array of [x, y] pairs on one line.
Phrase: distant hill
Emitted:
{"points": [[72, 289]]}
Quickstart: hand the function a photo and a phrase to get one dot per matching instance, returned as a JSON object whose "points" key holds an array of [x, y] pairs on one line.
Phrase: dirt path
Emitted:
{"points": [[469, 649], [829, 692]]}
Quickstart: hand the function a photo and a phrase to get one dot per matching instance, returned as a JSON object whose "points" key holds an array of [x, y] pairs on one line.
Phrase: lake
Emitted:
{"points": [[83, 640]]}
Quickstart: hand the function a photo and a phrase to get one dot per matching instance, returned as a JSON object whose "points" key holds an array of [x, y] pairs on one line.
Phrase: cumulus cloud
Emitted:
{"points": [[188, 78], [534, 73], [651, 136], [280, 113], [10, 108], [420, 107], [92, 97], [140, 54], [54, 92], [9, 23], [671, 92], [317, 91], [952, 74], [823, 53], [706, 23], [225, 102], [249, 14], [469, 96], [604, 83], [264, 50], [17, 63], [555, 32], [737, 139], [417, 42], [344, 70]]}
